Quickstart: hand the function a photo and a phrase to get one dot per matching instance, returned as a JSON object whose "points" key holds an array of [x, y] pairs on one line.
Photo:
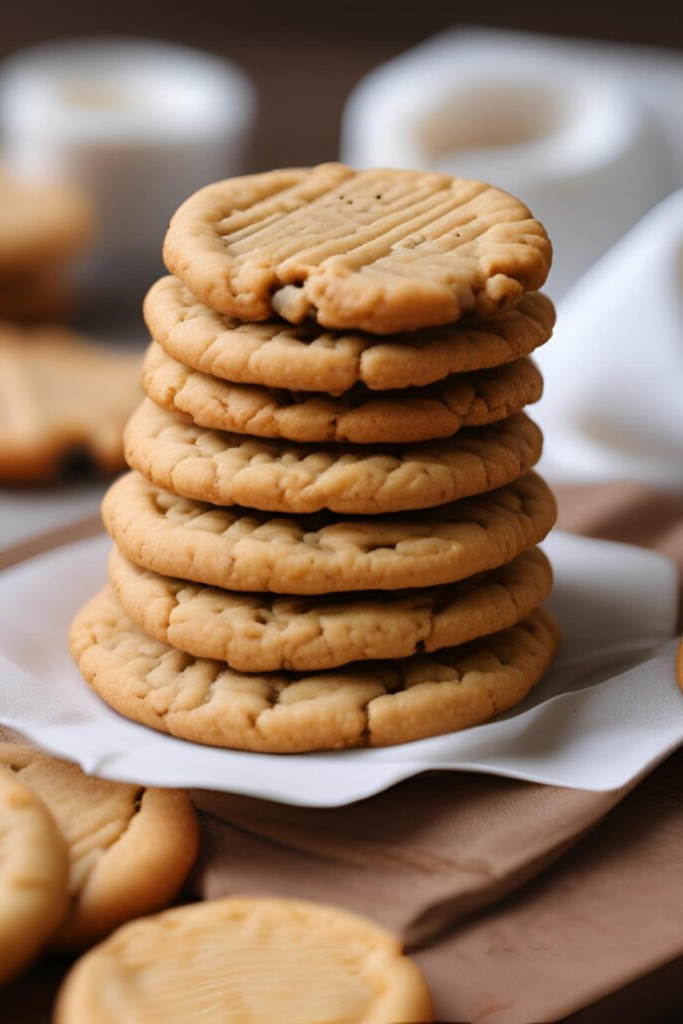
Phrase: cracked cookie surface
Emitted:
{"points": [[366, 704], [279, 476], [33, 875], [130, 847], [309, 358], [243, 549], [378, 250], [359, 417], [260, 633]]}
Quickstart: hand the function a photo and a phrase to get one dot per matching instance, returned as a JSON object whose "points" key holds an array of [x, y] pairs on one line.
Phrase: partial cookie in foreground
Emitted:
{"points": [[377, 250], [259, 960], [41, 225], [366, 704], [33, 875], [360, 416], [309, 358], [279, 476], [130, 847], [262, 633], [63, 405], [243, 549]]}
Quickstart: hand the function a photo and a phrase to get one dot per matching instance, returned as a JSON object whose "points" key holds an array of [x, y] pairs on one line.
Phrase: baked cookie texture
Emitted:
{"points": [[232, 960], [360, 416], [379, 250], [278, 476], [310, 358], [63, 405], [367, 704], [33, 875], [328, 539], [264, 633], [243, 549], [129, 847]]}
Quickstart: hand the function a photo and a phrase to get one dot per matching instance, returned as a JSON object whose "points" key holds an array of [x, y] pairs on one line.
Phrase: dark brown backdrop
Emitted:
{"points": [[305, 56]]}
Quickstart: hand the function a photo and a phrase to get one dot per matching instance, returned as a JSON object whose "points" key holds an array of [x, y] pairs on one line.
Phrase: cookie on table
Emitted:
{"points": [[63, 405], [309, 358], [244, 549], [359, 416], [378, 250], [247, 959], [262, 633], [279, 476], [367, 703], [34, 875], [41, 225], [130, 847]]}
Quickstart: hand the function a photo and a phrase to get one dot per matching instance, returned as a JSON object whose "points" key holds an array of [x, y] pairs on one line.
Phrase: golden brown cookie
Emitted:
{"points": [[33, 875], [260, 633], [309, 358], [247, 960], [378, 250], [360, 416], [63, 405], [368, 703], [130, 847], [40, 225], [243, 549], [279, 476]]}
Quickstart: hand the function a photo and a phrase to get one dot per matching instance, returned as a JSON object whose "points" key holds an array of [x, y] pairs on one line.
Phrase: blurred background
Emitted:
{"points": [[112, 113], [305, 57]]}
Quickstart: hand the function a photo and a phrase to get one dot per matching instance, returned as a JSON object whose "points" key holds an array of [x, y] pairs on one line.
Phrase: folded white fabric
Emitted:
{"points": [[612, 408], [588, 135]]}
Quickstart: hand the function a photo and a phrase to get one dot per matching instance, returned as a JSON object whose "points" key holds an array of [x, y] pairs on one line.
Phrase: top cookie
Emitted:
{"points": [[308, 358], [379, 250]]}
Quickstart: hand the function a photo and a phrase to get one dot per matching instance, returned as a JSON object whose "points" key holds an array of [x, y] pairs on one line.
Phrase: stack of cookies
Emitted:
{"points": [[329, 535]]}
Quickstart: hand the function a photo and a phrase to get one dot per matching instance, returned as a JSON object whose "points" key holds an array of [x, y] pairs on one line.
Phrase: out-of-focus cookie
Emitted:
{"points": [[43, 296], [40, 225], [255, 960], [279, 476], [244, 549], [33, 875], [360, 416], [309, 358], [378, 250], [261, 633], [63, 405], [130, 847], [368, 703]]}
